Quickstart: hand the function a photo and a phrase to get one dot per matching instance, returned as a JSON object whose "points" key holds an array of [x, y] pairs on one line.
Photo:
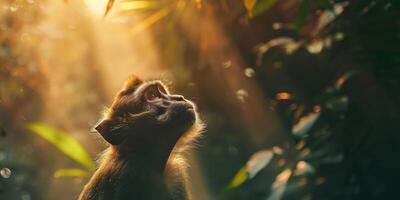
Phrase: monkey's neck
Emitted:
{"points": [[150, 160], [125, 178]]}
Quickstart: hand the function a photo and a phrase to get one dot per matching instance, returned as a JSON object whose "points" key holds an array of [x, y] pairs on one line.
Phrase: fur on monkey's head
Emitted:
{"points": [[146, 111]]}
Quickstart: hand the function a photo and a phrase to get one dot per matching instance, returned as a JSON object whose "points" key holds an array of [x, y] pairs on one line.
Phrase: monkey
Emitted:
{"points": [[148, 130]]}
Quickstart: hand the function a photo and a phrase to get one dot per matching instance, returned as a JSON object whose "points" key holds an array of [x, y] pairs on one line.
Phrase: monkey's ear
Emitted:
{"points": [[132, 82], [107, 131]]}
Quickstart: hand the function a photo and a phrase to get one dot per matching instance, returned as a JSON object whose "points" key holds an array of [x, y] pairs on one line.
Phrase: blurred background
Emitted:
{"points": [[301, 97]]}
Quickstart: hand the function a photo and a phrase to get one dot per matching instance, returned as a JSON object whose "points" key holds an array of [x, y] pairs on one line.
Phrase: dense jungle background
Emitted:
{"points": [[301, 97]]}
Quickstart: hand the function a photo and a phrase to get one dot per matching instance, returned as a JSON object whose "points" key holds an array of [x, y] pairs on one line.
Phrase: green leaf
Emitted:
{"points": [[262, 6], [70, 172], [64, 142], [240, 177], [302, 15]]}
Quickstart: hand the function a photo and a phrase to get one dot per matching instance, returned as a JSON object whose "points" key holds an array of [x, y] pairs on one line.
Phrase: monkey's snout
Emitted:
{"points": [[176, 98]]}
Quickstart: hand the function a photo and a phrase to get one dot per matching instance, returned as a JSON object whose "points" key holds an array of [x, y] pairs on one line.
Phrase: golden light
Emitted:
{"points": [[97, 7], [283, 96]]}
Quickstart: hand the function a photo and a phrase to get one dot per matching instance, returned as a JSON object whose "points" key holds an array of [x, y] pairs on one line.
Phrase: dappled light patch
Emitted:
{"points": [[241, 95], [249, 72], [5, 172], [303, 168], [283, 96], [279, 185], [227, 64]]}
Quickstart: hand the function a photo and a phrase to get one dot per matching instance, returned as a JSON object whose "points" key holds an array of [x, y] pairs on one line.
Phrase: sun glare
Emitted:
{"points": [[97, 7]]}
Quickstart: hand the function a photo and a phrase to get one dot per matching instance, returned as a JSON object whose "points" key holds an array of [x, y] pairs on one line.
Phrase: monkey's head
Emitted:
{"points": [[144, 114]]}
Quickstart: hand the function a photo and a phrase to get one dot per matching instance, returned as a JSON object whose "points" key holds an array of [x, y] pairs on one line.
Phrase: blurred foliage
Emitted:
{"points": [[329, 70]]}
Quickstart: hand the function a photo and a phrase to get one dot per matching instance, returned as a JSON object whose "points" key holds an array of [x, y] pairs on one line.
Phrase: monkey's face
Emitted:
{"points": [[168, 111], [146, 113]]}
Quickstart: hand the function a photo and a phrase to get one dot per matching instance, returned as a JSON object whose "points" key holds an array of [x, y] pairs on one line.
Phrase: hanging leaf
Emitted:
{"points": [[258, 161], [64, 142], [305, 124], [109, 6], [249, 5], [279, 185], [70, 172]]}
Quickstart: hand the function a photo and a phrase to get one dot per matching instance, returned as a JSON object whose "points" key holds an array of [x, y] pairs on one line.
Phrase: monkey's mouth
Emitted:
{"points": [[177, 111]]}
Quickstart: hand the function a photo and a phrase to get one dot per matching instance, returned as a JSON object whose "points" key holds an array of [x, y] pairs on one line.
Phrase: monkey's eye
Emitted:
{"points": [[162, 89], [154, 92]]}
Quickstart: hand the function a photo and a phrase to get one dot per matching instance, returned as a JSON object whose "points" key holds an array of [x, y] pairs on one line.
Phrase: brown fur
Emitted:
{"points": [[146, 158]]}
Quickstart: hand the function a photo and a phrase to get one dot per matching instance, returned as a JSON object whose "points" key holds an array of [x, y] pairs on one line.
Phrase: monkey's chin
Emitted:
{"points": [[185, 113]]}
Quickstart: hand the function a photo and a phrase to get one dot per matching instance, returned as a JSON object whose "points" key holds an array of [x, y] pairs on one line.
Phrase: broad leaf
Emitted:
{"points": [[64, 142], [70, 172]]}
